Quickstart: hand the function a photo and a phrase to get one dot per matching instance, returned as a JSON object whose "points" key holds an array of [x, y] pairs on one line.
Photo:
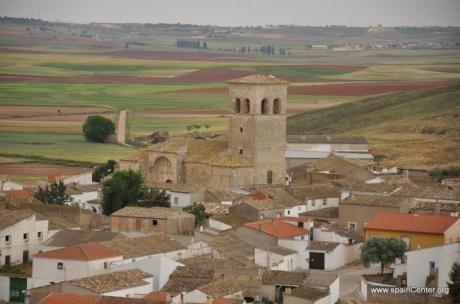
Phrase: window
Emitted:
{"points": [[289, 212], [247, 106], [324, 202], [25, 237], [39, 235], [301, 237], [241, 129], [241, 151], [106, 265], [7, 260], [176, 201], [60, 265], [8, 239], [300, 224], [277, 106], [269, 177], [154, 222], [352, 226], [264, 106], [237, 105], [406, 240], [313, 203]]}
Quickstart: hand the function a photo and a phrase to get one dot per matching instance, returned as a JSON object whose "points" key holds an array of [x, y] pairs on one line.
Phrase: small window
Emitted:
{"points": [[324, 202], [8, 239], [154, 222], [241, 129], [25, 236], [269, 177], [289, 212], [39, 235], [300, 224], [7, 260], [241, 151], [60, 265], [352, 226], [277, 106], [106, 265], [237, 105], [313, 202], [302, 237], [176, 201]]}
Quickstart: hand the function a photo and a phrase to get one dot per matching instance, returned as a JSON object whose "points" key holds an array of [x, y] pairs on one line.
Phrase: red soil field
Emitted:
{"points": [[343, 89], [38, 169]]}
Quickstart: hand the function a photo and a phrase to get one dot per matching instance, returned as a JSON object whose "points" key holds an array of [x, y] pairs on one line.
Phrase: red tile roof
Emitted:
{"points": [[277, 227], [159, 296], [83, 252], [17, 193], [259, 196], [295, 218], [422, 223], [55, 298]]}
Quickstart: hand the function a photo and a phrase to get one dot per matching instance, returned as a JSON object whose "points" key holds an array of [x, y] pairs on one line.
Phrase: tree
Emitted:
{"points": [[454, 284], [197, 209], [151, 197], [54, 194], [383, 251], [124, 188], [102, 171], [97, 128]]}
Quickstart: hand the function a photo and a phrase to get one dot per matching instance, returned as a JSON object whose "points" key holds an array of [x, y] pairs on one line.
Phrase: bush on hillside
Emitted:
{"points": [[98, 128]]}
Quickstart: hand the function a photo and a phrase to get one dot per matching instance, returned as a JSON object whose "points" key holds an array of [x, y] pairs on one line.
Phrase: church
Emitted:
{"points": [[254, 153]]}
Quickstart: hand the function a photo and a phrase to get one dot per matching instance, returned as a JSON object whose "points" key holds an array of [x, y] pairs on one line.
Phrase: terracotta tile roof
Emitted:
{"points": [[314, 192], [329, 212], [227, 286], [322, 279], [213, 195], [277, 227], [72, 237], [307, 293], [357, 186], [143, 246], [215, 264], [17, 193], [339, 165], [231, 246], [422, 223], [322, 246], [113, 281], [433, 191], [159, 296], [57, 298], [375, 200], [431, 206], [342, 231], [188, 278], [231, 219], [258, 79], [10, 217], [214, 152], [83, 252], [270, 204], [154, 212], [285, 278]]}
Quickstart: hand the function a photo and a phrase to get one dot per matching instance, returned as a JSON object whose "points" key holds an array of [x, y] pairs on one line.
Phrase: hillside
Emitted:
{"points": [[416, 129]]}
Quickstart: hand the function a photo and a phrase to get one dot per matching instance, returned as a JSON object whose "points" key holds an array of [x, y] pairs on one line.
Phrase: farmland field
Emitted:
{"points": [[51, 81]]}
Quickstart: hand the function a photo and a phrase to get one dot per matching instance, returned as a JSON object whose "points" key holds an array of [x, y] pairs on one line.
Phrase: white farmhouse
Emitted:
{"points": [[72, 263], [21, 235]]}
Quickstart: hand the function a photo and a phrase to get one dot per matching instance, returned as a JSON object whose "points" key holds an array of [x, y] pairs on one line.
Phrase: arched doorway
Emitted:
{"points": [[264, 106], [162, 170]]}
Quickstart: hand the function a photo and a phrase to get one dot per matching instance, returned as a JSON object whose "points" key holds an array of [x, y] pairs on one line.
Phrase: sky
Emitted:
{"points": [[242, 12]]}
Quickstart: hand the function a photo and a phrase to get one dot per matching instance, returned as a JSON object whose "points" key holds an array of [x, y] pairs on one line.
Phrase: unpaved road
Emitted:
{"points": [[121, 130]]}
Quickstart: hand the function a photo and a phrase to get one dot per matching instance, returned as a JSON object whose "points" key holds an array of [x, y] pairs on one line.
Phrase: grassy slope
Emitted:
{"points": [[396, 125]]}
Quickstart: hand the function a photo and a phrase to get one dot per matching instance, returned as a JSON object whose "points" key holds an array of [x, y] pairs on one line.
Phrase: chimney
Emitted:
{"points": [[437, 209]]}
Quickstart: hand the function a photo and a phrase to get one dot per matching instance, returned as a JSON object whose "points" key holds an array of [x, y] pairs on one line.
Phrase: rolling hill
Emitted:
{"points": [[413, 129]]}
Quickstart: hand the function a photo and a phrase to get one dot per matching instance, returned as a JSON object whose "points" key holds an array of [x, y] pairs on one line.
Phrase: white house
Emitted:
{"points": [[9, 185], [276, 258], [182, 195], [72, 263], [84, 195], [434, 261], [21, 236], [82, 179], [314, 197]]}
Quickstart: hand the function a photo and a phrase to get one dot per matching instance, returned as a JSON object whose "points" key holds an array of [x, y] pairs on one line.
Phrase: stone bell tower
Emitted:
{"points": [[257, 125]]}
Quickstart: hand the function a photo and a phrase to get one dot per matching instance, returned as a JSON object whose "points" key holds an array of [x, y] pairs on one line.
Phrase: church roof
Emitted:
{"points": [[258, 79], [211, 152]]}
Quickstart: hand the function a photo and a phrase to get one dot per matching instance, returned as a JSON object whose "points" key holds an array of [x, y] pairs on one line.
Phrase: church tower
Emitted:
{"points": [[257, 125]]}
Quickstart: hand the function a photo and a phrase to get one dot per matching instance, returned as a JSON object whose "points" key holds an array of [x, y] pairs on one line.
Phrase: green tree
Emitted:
{"points": [[102, 171], [124, 188], [197, 209], [151, 197], [97, 128], [54, 194], [454, 284], [380, 250]]}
